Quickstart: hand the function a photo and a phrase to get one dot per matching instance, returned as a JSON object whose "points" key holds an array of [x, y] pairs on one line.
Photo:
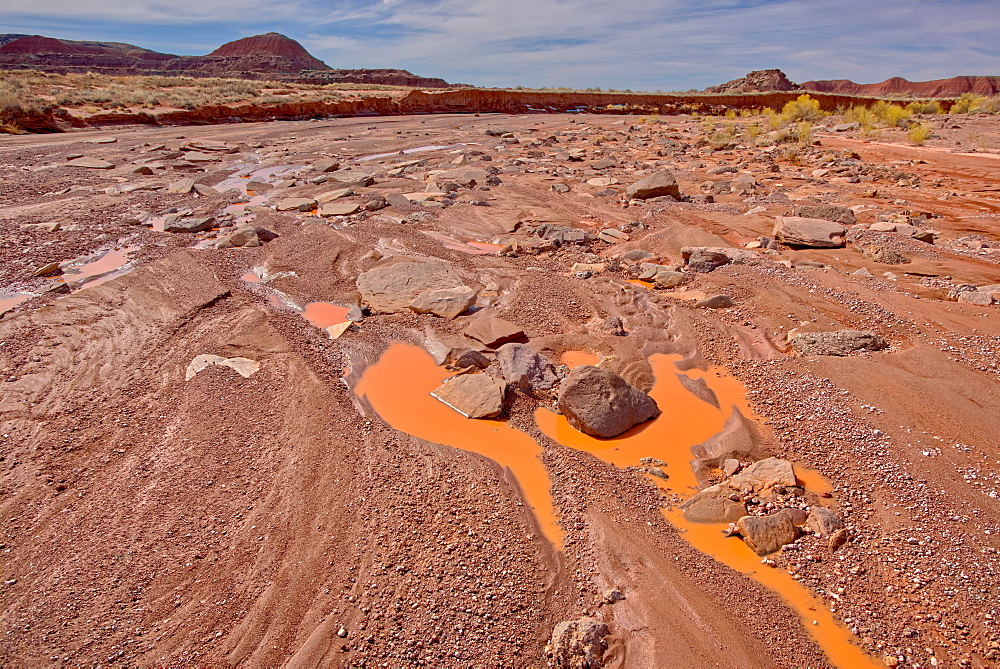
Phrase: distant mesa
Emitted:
{"points": [[762, 81], [759, 81], [267, 56]]}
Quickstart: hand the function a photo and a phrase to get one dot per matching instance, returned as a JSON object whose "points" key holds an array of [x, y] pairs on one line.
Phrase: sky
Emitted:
{"points": [[648, 45]]}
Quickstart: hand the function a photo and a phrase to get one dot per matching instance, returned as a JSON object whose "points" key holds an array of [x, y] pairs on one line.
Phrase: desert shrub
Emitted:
{"points": [[890, 113], [967, 103], [804, 108], [773, 118], [863, 116], [730, 113], [925, 107], [803, 132], [919, 133], [753, 130]]}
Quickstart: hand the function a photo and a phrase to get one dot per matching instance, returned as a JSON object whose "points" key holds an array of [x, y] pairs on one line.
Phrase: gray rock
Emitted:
{"points": [[469, 358], [601, 403], [838, 342], [715, 302], [637, 255], [884, 255], [392, 287], [977, 297], [524, 367], [655, 185], [766, 534], [578, 644], [181, 186], [189, 225], [764, 475], [665, 278], [809, 232], [705, 260], [823, 522], [493, 331], [444, 302], [827, 212], [472, 395], [714, 505]]}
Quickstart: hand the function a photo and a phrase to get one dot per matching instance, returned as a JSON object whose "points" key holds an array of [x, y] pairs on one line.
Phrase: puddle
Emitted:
{"points": [[325, 314], [576, 358], [419, 149], [8, 302], [398, 387], [238, 208], [94, 270], [686, 421], [252, 277]]}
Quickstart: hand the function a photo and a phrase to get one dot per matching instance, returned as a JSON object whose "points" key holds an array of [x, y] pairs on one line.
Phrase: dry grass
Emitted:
{"points": [[94, 92]]}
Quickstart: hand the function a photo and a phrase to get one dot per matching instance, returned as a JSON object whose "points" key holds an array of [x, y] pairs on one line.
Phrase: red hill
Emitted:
{"points": [[938, 88], [268, 44]]}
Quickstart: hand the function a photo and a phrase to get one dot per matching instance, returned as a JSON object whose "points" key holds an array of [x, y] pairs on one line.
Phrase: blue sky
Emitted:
{"points": [[636, 44]]}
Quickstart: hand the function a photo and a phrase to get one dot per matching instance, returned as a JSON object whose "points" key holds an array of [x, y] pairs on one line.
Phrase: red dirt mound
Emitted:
{"points": [[268, 44], [937, 88]]}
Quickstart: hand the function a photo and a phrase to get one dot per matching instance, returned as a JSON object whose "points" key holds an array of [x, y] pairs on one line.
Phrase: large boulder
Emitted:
{"points": [[472, 395], [714, 505], [764, 475], [838, 342], [444, 302], [524, 367], [601, 403], [766, 534], [391, 288], [811, 232], [657, 184], [578, 644]]}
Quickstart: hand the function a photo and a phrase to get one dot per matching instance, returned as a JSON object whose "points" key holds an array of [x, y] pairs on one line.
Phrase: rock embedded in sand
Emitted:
{"points": [[714, 505], [339, 209], [188, 224], [296, 204], [823, 522], [326, 165], [766, 534], [827, 212], [601, 403], [884, 255], [444, 302], [472, 395], [839, 342], [392, 287], [764, 475], [92, 163], [181, 186], [524, 367], [715, 302], [578, 644], [659, 184], [244, 237], [809, 232], [245, 367], [493, 331], [978, 297]]}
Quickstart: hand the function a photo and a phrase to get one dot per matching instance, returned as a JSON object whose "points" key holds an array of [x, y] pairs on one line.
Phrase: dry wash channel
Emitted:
{"points": [[398, 388]]}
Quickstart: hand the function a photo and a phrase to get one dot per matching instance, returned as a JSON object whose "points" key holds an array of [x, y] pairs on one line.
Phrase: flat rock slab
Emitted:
{"points": [[601, 403], [838, 342], [764, 475], [339, 209], [181, 186], [189, 225], [809, 232], [493, 331], [444, 302], [331, 195], [245, 367], [712, 505], [472, 395], [92, 163], [245, 237], [296, 204], [391, 288]]}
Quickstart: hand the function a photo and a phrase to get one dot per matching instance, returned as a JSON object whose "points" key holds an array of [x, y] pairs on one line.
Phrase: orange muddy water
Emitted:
{"points": [[325, 314], [398, 388], [686, 421], [576, 358]]}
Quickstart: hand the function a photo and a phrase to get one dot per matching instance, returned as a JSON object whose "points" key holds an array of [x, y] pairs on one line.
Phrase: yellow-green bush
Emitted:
{"points": [[925, 107], [804, 108], [919, 133], [890, 113]]}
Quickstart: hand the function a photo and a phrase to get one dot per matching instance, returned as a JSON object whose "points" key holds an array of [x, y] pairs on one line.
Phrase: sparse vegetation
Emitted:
{"points": [[803, 108], [970, 103], [919, 133], [890, 113]]}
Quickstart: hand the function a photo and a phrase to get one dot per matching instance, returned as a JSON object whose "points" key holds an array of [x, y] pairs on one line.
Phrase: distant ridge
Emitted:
{"points": [[267, 56], [937, 88]]}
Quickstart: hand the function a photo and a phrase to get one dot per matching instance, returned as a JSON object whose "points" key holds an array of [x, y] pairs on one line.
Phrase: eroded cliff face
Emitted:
{"points": [[471, 100]]}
